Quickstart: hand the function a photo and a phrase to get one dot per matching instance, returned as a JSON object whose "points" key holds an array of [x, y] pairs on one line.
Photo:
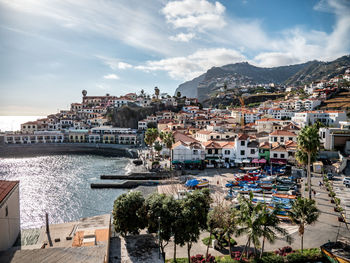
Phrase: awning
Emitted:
{"points": [[278, 161], [211, 158], [246, 161], [192, 161], [176, 162], [255, 161], [238, 161], [262, 161]]}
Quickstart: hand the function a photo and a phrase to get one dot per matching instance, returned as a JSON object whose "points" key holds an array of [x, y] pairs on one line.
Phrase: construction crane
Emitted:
{"points": [[241, 100]]}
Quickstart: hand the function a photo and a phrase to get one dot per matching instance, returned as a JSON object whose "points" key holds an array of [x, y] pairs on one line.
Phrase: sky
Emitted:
{"points": [[50, 50]]}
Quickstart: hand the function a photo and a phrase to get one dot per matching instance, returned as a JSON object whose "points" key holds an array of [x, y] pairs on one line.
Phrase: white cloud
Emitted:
{"points": [[188, 67], [182, 37], [200, 14], [114, 63], [111, 76]]}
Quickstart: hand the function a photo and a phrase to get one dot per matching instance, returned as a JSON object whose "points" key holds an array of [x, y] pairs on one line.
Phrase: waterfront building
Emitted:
{"points": [[36, 137], [79, 136], [326, 117], [187, 152], [9, 213], [29, 127]]}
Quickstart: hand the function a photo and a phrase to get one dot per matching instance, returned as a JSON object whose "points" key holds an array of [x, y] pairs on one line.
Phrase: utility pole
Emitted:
{"points": [[48, 229]]}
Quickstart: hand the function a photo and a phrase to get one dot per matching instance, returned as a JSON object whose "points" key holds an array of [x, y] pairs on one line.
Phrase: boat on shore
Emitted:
{"points": [[336, 252]]}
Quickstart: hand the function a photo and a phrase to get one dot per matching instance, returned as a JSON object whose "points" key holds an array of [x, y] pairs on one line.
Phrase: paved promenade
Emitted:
{"points": [[326, 228]]}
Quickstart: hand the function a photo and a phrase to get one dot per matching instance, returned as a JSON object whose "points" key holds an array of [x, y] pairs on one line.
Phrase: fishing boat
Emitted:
{"points": [[285, 196], [336, 252], [203, 183]]}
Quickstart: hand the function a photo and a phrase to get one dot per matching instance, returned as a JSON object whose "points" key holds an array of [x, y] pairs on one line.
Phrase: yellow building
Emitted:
{"points": [[108, 138], [78, 136]]}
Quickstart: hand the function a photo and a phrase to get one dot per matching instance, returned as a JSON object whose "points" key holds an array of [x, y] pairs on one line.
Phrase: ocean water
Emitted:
{"points": [[13, 123], [60, 186]]}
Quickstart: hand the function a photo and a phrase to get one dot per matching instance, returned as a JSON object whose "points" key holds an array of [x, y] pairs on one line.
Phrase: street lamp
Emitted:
{"points": [[159, 237]]}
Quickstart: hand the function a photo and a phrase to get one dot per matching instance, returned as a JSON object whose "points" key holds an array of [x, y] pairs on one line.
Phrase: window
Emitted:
{"points": [[242, 143], [211, 137], [195, 151], [275, 155], [252, 151], [282, 155], [242, 152], [210, 151], [216, 151], [290, 138], [282, 139], [6, 211], [275, 139], [227, 152]]}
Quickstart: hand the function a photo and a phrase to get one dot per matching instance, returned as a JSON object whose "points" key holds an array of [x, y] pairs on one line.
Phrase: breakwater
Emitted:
{"points": [[31, 150]]}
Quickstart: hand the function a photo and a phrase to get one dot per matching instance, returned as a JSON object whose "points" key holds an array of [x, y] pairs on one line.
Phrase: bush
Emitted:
{"points": [[270, 259], [284, 251], [312, 254], [296, 258], [200, 259], [224, 243]]}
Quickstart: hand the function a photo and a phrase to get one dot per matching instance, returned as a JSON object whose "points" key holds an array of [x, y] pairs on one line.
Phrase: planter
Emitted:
{"points": [[332, 201], [337, 210], [340, 219]]}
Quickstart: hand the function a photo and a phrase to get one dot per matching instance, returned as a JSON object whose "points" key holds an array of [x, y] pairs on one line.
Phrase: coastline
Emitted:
{"points": [[32, 150]]}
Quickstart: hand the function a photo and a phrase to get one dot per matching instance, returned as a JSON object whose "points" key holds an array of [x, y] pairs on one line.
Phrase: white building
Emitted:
{"points": [[282, 136], [9, 213], [36, 137], [331, 118], [187, 151], [120, 102]]}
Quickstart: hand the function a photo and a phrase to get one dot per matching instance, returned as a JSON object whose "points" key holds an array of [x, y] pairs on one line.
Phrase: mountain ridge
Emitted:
{"points": [[243, 73]]}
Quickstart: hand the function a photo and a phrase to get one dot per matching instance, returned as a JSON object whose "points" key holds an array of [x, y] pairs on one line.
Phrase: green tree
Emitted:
{"points": [[129, 213], [168, 139], [158, 147], [304, 212], [309, 143], [150, 136], [142, 93], [178, 94], [160, 217], [195, 207], [250, 221], [222, 223], [270, 226]]}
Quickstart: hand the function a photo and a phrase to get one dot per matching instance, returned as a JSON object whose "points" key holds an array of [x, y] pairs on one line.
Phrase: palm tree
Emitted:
{"points": [[150, 137], [269, 223], [158, 147], [304, 212], [168, 139], [309, 143], [250, 221]]}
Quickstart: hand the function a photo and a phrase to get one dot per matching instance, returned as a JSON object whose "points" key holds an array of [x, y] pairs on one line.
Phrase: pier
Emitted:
{"points": [[125, 184]]}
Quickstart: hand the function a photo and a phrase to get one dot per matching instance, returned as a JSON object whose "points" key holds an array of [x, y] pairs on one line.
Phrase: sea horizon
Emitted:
{"points": [[13, 123]]}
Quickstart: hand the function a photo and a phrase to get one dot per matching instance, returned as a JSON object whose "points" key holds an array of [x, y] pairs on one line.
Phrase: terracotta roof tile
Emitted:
{"points": [[6, 187]]}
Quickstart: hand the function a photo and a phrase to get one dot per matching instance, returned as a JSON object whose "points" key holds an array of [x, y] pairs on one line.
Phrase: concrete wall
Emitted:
{"points": [[28, 150], [10, 224]]}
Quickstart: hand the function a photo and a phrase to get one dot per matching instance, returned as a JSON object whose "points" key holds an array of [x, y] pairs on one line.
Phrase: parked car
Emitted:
{"points": [[330, 176], [346, 181]]}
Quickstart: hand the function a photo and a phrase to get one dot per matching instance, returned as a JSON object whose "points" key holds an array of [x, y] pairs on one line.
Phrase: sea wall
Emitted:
{"points": [[29, 150]]}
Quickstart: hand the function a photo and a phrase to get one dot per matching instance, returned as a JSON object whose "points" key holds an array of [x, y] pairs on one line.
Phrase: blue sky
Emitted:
{"points": [[52, 49]]}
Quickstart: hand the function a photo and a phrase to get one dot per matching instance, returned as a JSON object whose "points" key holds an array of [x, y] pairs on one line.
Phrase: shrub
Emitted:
{"points": [[200, 259], [284, 251], [270, 259], [224, 243], [296, 258]]}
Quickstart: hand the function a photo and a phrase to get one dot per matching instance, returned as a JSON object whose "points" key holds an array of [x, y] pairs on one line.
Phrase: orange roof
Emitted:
{"points": [[243, 136], [6, 187], [268, 119], [283, 133], [204, 132], [211, 144]]}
